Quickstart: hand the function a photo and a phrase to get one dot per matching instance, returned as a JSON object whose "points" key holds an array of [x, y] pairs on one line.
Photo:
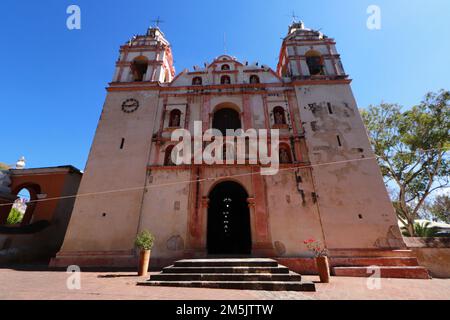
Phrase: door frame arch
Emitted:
{"points": [[249, 211]]}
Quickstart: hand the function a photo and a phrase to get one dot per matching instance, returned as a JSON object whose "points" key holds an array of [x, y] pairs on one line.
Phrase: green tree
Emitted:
{"points": [[440, 208], [412, 148], [3, 166], [422, 230], [15, 216]]}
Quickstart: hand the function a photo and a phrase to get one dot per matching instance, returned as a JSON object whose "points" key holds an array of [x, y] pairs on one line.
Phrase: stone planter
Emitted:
{"points": [[323, 267], [433, 254], [144, 261]]}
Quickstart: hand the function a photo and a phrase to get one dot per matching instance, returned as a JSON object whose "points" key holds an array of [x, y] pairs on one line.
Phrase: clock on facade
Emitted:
{"points": [[130, 105]]}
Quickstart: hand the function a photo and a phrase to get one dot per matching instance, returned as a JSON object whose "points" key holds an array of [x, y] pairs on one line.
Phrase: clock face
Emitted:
{"points": [[130, 105]]}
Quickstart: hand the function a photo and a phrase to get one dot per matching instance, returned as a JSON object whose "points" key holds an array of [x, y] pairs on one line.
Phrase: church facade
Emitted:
{"points": [[328, 186]]}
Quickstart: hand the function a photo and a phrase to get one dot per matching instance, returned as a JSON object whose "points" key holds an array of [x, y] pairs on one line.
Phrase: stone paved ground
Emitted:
{"points": [[16, 284]]}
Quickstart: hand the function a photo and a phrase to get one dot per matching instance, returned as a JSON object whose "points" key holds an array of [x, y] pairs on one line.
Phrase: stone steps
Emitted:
{"points": [[391, 263], [212, 269], [239, 285], [407, 272], [374, 261], [263, 277], [250, 262], [370, 253], [249, 274]]}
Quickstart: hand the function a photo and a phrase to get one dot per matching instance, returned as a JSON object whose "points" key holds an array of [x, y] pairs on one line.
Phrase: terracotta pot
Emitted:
{"points": [[323, 267], [144, 261]]}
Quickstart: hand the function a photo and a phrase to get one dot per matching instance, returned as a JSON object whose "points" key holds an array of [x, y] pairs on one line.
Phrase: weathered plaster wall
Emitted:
{"points": [[165, 211], [292, 212], [354, 205], [108, 221]]}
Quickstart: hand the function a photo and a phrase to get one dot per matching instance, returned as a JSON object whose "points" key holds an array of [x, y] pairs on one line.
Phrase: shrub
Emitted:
{"points": [[144, 240], [316, 247], [15, 216], [422, 230]]}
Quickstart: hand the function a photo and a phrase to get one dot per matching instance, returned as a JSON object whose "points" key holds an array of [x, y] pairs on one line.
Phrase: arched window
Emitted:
{"points": [[285, 154], [225, 67], [168, 156], [226, 119], [174, 119], [279, 115], [17, 213], [314, 60], [197, 81], [254, 79], [139, 68], [23, 210], [166, 76], [225, 80]]}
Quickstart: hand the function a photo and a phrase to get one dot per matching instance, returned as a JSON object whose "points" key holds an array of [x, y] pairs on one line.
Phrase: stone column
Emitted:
{"points": [[197, 206], [262, 242]]}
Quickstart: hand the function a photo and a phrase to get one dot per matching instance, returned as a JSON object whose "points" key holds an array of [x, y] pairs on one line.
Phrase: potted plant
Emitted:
{"points": [[144, 242], [321, 258]]}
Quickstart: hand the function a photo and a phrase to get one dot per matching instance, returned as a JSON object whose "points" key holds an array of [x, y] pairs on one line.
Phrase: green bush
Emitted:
{"points": [[15, 216], [144, 240], [421, 230]]}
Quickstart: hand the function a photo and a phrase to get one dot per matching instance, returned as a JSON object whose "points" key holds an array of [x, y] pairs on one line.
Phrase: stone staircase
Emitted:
{"points": [[391, 264], [249, 274]]}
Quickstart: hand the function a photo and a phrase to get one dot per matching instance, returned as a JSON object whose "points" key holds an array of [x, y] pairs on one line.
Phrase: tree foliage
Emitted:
{"points": [[422, 230], [412, 148], [440, 208], [14, 217], [3, 166]]}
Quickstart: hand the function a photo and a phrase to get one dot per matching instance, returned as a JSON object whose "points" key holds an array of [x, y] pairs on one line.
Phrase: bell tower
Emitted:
{"points": [[345, 171], [116, 171], [309, 54], [145, 58]]}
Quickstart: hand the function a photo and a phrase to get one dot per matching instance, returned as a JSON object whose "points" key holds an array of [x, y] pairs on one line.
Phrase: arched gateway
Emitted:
{"points": [[228, 220]]}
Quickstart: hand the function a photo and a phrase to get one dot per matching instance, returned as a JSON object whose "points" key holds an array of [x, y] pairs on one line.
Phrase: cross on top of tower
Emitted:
{"points": [[157, 21], [294, 17]]}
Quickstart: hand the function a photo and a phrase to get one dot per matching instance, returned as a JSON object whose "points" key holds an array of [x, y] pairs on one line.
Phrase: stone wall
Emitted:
{"points": [[433, 254]]}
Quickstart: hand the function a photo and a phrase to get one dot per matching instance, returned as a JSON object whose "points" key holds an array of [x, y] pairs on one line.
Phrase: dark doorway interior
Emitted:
{"points": [[229, 220], [226, 119]]}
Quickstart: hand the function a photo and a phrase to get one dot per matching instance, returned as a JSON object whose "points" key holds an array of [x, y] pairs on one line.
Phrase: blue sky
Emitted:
{"points": [[53, 80]]}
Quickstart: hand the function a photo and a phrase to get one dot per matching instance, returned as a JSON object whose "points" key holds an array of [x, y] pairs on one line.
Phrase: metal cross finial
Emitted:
{"points": [[224, 43], [294, 17], [157, 21]]}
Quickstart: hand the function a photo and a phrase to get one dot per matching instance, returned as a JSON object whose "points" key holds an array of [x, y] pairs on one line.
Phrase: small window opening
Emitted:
{"points": [[315, 63], [197, 81], [225, 80], [279, 115], [339, 141], [285, 155], [139, 68], [254, 79], [175, 116], [330, 110]]}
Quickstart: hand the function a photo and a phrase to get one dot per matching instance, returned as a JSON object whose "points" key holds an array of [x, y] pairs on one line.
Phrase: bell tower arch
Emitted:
{"points": [[145, 58]]}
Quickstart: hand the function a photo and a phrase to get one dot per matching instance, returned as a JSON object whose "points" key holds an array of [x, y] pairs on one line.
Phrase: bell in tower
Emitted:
{"points": [[145, 58]]}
